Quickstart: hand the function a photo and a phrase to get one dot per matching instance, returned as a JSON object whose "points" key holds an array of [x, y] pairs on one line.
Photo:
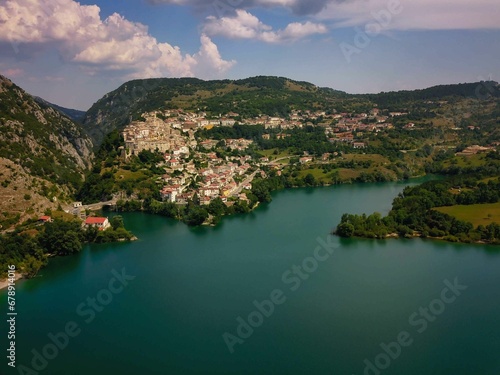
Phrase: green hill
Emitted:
{"points": [[274, 96], [43, 154], [262, 95]]}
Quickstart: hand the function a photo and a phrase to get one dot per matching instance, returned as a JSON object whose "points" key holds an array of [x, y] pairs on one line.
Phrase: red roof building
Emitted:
{"points": [[99, 222]]}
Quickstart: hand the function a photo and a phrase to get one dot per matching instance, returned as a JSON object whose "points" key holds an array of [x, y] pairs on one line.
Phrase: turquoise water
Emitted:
{"points": [[331, 317]]}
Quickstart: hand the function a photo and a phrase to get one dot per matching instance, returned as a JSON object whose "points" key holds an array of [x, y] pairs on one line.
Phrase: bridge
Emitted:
{"points": [[99, 205], [92, 207]]}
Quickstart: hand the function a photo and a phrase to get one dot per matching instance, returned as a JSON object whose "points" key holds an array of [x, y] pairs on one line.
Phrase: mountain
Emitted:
{"points": [[477, 90], [262, 95], [74, 114], [273, 96], [43, 154]]}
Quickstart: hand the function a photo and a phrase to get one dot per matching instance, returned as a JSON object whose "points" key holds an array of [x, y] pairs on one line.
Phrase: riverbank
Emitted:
{"points": [[419, 235], [5, 283], [193, 214], [32, 244]]}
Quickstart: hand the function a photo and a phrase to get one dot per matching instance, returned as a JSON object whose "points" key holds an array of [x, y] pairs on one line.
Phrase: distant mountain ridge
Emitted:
{"points": [[73, 114], [262, 95], [476, 90]]}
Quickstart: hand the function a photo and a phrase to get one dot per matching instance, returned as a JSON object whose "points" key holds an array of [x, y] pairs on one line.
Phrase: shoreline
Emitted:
{"points": [[4, 283], [395, 236], [211, 224]]}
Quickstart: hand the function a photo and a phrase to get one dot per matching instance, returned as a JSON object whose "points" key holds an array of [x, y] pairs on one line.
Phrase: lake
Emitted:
{"points": [[270, 292]]}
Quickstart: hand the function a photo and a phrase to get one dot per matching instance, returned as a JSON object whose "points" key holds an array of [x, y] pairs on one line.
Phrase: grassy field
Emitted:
{"points": [[477, 214], [348, 174], [62, 215], [270, 153], [317, 173], [375, 158], [467, 161], [441, 121], [124, 175]]}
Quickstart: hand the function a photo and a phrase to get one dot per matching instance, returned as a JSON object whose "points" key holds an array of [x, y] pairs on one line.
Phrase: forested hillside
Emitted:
{"points": [[43, 154]]}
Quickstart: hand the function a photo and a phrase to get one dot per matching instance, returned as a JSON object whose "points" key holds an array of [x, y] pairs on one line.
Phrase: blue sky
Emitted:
{"points": [[72, 53]]}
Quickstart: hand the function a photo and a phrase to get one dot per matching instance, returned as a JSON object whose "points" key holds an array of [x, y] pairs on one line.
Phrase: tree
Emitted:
{"points": [[261, 191], [70, 243], [31, 266], [195, 215], [345, 230], [310, 180], [217, 207], [61, 237], [117, 222]]}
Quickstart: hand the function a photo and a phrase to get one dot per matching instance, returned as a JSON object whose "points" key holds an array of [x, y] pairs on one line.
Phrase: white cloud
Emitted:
{"points": [[416, 14], [244, 25], [210, 58], [83, 38]]}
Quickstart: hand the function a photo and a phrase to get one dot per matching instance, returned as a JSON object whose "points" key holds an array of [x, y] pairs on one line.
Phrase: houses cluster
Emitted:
{"points": [[193, 169], [218, 181], [218, 178], [339, 127], [174, 129], [154, 134], [238, 144], [349, 128]]}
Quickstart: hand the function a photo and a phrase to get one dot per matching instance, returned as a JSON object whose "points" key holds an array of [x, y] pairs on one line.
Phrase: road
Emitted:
{"points": [[239, 188], [92, 207], [276, 160]]}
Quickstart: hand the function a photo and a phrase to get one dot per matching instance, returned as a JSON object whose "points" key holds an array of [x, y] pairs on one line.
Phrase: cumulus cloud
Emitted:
{"points": [[417, 15], [244, 25], [113, 44], [209, 54]]}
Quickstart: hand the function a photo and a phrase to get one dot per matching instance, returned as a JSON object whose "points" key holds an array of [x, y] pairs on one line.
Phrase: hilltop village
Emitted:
{"points": [[193, 167]]}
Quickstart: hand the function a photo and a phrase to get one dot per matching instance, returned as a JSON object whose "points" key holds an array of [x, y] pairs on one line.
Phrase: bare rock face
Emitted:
{"points": [[44, 154]]}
